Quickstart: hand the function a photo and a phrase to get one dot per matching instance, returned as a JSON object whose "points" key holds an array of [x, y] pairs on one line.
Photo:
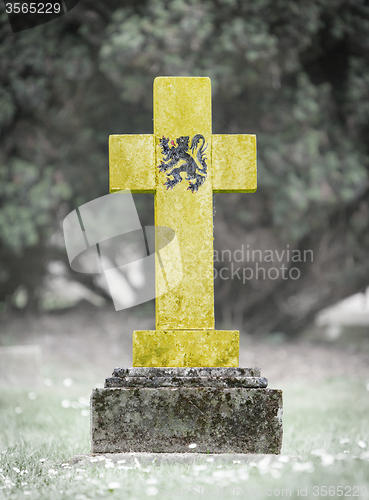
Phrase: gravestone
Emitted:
{"points": [[20, 366], [185, 386]]}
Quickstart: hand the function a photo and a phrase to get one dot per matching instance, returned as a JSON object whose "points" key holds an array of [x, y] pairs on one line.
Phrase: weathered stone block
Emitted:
{"points": [[158, 419], [181, 348]]}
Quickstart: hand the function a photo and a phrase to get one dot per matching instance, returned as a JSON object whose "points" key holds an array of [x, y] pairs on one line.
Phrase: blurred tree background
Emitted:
{"points": [[294, 73]]}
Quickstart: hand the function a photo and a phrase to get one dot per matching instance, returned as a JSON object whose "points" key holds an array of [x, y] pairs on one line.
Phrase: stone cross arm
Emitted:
{"points": [[133, 163]]}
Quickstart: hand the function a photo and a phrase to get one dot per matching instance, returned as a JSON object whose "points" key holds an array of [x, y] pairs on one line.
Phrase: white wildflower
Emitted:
{"points": [[227, 473], [327, 460], [264, 464], [113, 485], [277, 465], [199, 467], [303, 467], [318, 453], [152, 491], [275, 473]]}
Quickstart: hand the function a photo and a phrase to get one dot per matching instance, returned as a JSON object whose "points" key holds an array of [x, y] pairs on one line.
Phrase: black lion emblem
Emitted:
{"points": [[172, 155]]}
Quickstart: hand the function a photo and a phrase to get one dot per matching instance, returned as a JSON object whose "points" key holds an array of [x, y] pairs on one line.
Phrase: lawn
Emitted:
{"points": [[326, 424]]}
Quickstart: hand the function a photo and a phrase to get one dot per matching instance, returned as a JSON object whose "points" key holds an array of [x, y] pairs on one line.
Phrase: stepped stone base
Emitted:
{"points": [[165, 410]]}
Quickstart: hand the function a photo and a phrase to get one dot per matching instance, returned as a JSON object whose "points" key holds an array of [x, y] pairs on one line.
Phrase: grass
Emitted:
{"points": [[38, 435]]}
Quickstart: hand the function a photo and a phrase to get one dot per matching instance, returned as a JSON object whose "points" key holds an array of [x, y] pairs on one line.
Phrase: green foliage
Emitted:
{"points": [[294, 73], [31, 198], [255, 54]]}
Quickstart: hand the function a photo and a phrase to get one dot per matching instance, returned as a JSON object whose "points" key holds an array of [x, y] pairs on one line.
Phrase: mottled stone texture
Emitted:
{"points": [[168, 420], [158, 419], [238, 150], [186, 377], [186, 382], [132, 163], [182, 107], [186, 372], [185, 348]]}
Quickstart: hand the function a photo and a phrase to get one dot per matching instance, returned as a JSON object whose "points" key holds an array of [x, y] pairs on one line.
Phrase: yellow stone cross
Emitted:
{"points": [[185, 332]]}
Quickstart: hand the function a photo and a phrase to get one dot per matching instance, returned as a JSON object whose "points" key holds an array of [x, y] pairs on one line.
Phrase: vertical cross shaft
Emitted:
{"points": [[183, 108]]}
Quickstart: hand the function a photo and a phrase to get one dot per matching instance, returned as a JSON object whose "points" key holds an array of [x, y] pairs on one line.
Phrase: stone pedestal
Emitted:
{"points": [[164, 410]]}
